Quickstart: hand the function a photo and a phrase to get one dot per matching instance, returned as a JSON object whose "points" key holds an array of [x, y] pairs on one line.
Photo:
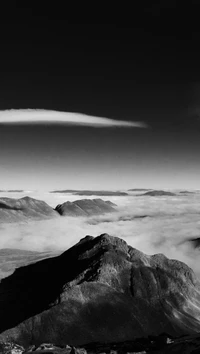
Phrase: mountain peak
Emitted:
{"points": [[99, 290], [106, 239]]}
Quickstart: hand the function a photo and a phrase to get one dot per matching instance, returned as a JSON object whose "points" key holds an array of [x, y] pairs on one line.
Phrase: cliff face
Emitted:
{"points": [[99, 290]]}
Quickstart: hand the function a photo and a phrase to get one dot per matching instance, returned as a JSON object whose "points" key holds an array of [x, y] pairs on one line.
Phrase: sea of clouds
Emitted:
{"points": [[151, 224]]}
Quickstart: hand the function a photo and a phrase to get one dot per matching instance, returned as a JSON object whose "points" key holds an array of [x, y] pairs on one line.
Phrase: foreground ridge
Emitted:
{"points": [[162, 344]]}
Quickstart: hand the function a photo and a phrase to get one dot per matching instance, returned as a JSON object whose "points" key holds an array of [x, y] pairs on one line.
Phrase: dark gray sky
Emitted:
{"points": [[146, 70]]}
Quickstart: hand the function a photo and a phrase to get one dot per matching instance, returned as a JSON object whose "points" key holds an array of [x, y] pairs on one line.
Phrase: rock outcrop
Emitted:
{"points": [[86, 207], [100, 290], [15, 210]]}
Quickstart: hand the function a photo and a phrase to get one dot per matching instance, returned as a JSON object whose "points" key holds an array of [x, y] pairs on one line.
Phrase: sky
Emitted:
{"points": [[144, 70]]}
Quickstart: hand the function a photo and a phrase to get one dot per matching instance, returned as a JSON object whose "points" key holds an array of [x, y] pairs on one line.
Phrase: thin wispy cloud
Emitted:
{"points": [[55, 117]]}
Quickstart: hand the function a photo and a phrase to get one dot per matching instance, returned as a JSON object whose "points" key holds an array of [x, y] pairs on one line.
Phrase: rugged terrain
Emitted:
{"points": [[100, 290], [86, 207]]}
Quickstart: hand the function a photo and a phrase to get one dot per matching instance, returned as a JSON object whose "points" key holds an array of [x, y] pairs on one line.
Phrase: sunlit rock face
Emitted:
{"points": [[86, 207], [100, 290], [15, 210]]}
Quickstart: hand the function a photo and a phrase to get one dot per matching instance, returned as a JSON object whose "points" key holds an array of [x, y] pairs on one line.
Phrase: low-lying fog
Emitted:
{"points": [[151, 224]]}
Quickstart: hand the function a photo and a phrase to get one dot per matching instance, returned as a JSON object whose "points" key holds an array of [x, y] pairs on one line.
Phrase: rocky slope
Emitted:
{"points": [[14, 210], [100, 290], [86, 207]]}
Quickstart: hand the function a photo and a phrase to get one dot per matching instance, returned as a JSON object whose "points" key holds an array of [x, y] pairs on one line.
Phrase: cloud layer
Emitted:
{"points": [[168, 224], [54, 117]]}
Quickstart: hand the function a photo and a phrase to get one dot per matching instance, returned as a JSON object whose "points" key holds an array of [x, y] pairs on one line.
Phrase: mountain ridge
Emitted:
{"points": [[12, 210], [15, 210]]}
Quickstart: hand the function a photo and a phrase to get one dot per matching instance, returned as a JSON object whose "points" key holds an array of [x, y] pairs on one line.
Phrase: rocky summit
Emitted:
{"points": [[100, 290], [86, 207], [15, 210]]}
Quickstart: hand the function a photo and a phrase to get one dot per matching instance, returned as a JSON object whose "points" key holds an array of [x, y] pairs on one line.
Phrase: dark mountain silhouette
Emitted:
{"points": [[139, 189], [160, 193], [187, 192], [90, 192], [12, 190], [14, 210], [100, 290], [85, 207]]}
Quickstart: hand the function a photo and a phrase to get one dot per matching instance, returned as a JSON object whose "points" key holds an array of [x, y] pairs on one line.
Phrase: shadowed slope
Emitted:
{"points": [[99, 290]]}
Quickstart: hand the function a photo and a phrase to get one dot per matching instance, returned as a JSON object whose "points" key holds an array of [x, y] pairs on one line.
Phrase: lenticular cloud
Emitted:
{"points": [[55, 117]]}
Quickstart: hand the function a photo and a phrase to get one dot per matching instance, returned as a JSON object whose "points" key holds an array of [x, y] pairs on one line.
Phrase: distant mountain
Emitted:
{"points": [[139, 189], [89, 192], [187, 192], [86, 207], [156, 193], [14, 210], [12, 190], [100, 290]]}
